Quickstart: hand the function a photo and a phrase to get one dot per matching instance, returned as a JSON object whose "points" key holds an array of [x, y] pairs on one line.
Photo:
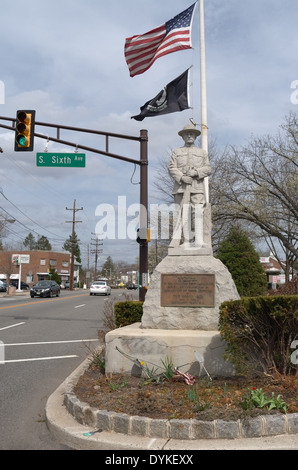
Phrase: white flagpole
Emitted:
{"points": [[204, 135]]}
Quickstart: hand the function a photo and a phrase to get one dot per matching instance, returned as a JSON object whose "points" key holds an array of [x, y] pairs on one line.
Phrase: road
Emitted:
{"points": [[43, 341]]}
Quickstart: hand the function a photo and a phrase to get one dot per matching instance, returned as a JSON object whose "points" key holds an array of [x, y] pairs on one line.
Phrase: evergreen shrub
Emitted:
{"points": [[128, 312], [260, 333], [238, 254]]}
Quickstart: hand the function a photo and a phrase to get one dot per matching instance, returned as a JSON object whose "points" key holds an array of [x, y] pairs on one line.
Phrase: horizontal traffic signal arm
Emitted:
{"points": [[142, 139]]}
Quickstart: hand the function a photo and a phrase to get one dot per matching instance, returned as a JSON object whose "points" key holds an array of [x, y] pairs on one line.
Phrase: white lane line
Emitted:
{"points": [[38, 359], [12, 326], [51, 342], [78, 306]]}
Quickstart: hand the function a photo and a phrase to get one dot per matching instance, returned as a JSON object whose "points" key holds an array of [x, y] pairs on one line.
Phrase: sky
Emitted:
{"points": [[65, 59]]}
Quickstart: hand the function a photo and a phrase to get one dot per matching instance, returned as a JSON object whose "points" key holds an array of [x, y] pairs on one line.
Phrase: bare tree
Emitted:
{"points": [[259, 185], [255, 185]]}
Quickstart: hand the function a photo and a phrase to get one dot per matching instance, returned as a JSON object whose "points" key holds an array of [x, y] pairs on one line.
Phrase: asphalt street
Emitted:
{"points": [[42, 342]]}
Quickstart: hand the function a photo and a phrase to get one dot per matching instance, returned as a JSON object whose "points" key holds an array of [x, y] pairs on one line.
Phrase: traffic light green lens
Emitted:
{"points": [[22, 141]]}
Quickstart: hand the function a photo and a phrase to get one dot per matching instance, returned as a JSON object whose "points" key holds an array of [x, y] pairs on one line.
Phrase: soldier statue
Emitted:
{"points": [[189, 165]]}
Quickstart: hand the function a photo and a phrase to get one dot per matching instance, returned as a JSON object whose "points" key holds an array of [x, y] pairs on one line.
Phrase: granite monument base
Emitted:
{"points": [[155, 345], [186, 290]]}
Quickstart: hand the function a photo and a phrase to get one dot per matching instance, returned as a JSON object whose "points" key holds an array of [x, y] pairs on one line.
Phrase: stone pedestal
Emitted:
{"points": [[154, 345], [180, 316]]}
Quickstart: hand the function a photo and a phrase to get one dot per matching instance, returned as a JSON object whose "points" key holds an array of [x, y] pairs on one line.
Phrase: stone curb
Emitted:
{"points": [[183, 429]]}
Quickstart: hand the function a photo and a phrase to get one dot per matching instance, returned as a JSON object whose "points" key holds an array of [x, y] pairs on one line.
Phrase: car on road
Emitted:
{"points": [[3, 286], [132, 286], [45, 289], [100, 288]]}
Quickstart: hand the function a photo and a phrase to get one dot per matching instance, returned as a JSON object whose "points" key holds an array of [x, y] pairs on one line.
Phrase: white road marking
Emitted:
{"points": [[12, 326], [39, 359], [78, 306], [51, 342]]}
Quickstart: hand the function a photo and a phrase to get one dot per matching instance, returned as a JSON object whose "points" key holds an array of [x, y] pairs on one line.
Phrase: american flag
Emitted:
{"points": [[174, 35]]}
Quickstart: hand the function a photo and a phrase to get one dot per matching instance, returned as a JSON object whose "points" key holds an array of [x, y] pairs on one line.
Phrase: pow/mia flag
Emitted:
{"points": [[172, 98]]}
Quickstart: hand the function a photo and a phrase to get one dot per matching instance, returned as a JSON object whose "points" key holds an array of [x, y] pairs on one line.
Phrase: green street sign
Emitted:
{"points": [[61, 159]]}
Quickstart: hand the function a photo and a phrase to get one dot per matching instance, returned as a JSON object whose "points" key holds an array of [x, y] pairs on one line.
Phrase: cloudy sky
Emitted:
{"points": [[65, 60]]}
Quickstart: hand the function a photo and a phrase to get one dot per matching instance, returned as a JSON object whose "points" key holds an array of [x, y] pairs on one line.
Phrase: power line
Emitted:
{"points": [[1, 192]]}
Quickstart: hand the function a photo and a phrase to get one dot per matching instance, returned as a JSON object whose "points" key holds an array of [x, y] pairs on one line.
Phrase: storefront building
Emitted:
{"points": [[34, 266]]}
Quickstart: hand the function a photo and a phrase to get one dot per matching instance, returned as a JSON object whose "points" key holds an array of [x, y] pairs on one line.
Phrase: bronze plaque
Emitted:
{"points": [[187, 290]]}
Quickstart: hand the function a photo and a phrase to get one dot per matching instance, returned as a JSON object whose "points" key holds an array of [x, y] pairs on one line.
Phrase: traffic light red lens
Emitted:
{"points": [[22, 116]]}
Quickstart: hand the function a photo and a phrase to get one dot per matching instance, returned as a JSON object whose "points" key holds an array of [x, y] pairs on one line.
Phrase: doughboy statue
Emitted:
{"points": [[189, 165]]}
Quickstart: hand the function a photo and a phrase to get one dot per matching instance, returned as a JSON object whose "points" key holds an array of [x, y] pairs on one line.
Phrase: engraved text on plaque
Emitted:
{"points": [[187, 290]]}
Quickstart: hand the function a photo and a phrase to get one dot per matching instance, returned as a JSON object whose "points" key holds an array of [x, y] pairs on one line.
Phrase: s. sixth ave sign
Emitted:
{"points": [[61, 159]]}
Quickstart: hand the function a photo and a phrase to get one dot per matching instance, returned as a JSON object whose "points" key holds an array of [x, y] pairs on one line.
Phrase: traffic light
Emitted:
{"points": [[24, 134], [143, 236]]}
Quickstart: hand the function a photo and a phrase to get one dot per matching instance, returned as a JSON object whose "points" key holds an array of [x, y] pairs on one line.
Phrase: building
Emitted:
{"points": [[34, 266], [274, 270]]}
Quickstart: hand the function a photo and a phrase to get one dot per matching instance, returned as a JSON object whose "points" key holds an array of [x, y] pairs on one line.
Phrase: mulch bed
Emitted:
{"points": [[206, 400]]}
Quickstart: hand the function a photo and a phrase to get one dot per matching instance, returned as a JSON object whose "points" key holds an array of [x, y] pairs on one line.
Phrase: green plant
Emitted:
{"points": [[115, 386], [256, 398], [193, 397], [169, 368], [238, 254], [128, 312], [259, 332], [206, 383]]}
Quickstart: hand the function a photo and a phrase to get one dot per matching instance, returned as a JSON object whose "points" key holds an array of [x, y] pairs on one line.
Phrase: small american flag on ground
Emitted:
{"points": [[142, 51]]}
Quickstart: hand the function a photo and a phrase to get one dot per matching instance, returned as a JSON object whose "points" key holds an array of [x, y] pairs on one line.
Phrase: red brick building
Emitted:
{"points": [[35, 265]]}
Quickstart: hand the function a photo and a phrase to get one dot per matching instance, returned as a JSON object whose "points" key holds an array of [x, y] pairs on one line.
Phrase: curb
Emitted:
{"points": [[79, 426]]}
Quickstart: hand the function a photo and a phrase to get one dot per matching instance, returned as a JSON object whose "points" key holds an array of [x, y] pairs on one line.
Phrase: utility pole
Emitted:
{"points": [[73, 221], [96, 252]]}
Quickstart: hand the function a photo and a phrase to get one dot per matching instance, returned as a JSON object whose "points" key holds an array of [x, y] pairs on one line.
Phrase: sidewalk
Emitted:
{"points": [[69, 432], [24, 293]]}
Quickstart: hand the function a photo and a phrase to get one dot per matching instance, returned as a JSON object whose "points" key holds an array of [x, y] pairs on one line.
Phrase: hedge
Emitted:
{"points": [[128, 312], [260, 333]]}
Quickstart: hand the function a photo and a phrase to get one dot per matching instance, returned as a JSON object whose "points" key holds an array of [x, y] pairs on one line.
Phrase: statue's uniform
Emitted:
{"points": [[189, 158]]}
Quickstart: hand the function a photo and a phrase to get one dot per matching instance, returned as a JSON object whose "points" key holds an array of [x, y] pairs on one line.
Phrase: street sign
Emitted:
{"points": [[61, 159], [20, 259]]}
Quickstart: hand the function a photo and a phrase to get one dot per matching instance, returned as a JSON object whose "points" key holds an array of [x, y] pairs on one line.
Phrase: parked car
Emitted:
{"points": [[132, 286], [100, 288], [45, 289], [15, 283], [66, 284], [3, 286]]}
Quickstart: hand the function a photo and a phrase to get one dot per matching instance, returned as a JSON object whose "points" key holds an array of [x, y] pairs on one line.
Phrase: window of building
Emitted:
{"points": [[53, 262], [42, 262], [65, 264]]}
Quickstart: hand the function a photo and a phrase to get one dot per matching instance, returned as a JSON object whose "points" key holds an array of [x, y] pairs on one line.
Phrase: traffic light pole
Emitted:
{"points": [[142, 162], [143, 250]]}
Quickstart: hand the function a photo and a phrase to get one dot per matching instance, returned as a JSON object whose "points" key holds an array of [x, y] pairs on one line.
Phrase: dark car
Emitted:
{"points": [[3, 286], [45, 289], [132, 286], [15, 283]]}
